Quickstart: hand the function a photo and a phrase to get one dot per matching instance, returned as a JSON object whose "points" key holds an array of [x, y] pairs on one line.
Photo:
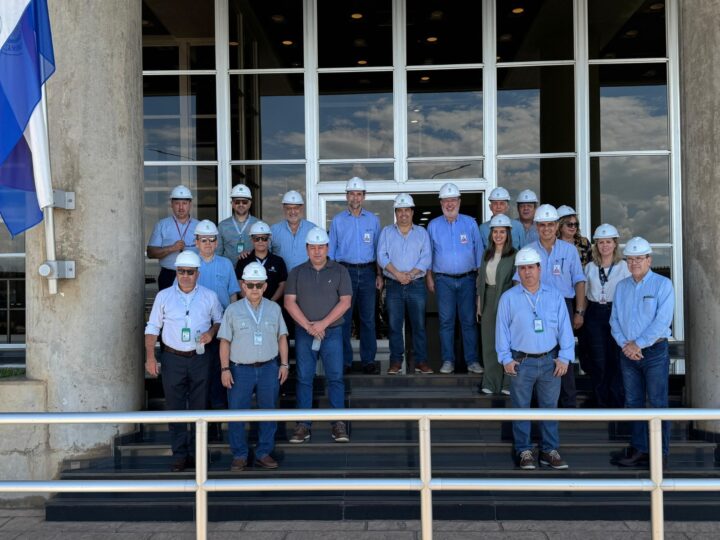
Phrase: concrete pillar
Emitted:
{"points": [[84, 345], [700, 91]]}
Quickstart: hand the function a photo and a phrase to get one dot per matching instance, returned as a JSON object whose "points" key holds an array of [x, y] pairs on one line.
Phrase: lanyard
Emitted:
{"points": [[245, 224], [604, 277], [252, 312], [182, 234], [537, 302], [187, 304]]}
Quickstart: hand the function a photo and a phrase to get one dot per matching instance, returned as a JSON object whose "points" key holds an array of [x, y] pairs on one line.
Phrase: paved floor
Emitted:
{"points": [[30, 525]]}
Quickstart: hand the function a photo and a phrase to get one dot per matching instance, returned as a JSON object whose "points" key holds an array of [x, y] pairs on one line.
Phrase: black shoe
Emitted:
{"points": [[637, 459], [180, 464], [370, 369]]}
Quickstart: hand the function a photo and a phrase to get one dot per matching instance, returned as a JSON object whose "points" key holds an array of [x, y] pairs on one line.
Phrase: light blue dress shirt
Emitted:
{"points": [[354, 239], [167, 231], [456, 247], [642, 312], [515, 324], [289, 246], [528, 236], [561, 268], [219, 275], [232, 233], [404, 252], [517, 233]]}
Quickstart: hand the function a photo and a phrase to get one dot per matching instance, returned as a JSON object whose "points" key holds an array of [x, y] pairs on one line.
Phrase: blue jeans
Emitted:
{"points": [[264, 382], [331, 356], [457, 296], [363, 296], [535, 373], [412, 296], [647, 379]]}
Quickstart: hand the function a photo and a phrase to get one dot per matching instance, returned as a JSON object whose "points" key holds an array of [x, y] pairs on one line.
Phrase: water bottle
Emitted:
{"points": [[316, 345], [199, 345]]}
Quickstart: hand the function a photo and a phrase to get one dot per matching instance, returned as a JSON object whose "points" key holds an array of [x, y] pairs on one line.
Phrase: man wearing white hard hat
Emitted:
{"points": [[603, 273], [275, 268], [642, 313], [527, 203], [288, 235], [171, 235], [234, 236], [354, 236], [456, 256], [253, 360], [561, 269], [535, 345], [500, 204], [317, 295], [405, 255], [187, 317]]}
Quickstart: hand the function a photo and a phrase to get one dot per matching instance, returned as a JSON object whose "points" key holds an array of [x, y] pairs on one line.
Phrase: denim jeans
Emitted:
{"points": [[331, 355], [457, 296], [217, 394], [647, 379], [412, 296], [603, 357], [535, 373], [363, 296], [264, 382]]}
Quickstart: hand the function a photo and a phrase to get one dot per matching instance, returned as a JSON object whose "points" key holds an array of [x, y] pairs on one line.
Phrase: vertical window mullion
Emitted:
{"points": [[400, 97], [489, 94], [312, 110], [582, 117], [222, 107]]}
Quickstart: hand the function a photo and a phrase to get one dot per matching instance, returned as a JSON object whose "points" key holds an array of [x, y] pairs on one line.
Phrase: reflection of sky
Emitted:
{"points": [[277, 180], [282, 127], [445, 124], [633, 118], [356, 126], [339, 172], [516, 175], [518, 121]]}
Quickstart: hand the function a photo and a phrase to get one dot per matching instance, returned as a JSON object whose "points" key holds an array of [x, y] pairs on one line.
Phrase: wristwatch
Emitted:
{"points": [[580, 311]]}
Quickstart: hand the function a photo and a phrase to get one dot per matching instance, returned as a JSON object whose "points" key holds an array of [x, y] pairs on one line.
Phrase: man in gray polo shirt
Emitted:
{"points": [[252, 335], [317, 295]]}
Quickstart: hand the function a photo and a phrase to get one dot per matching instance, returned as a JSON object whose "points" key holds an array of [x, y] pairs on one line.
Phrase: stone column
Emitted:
{"points": [[84, 345], [700, 95]]}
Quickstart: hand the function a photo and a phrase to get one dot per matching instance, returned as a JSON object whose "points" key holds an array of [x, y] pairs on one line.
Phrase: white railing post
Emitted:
{"points": [[426, 519], [201, 476], [656, 477]]}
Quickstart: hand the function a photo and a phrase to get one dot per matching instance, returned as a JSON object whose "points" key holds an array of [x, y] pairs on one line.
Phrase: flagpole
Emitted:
{"points": [[48, 214]]}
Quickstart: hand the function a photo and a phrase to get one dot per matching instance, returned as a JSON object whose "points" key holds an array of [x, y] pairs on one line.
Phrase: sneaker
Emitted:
{"points": [[527, 460], [486, 391], [424, 369], [339, 433], [475, 367], [505, 392], [394, 368], [238, 464], [553, 459], [300, 435], [447, 368]]}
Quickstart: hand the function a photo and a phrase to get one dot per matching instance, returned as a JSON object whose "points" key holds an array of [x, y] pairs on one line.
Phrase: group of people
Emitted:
{"points": [[532, 284]]}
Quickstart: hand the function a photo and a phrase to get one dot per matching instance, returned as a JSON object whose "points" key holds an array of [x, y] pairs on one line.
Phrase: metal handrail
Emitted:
{"points": [[425, 483]]}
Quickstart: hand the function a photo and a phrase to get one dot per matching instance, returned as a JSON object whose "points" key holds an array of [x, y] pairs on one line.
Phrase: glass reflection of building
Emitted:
{"points": [[575, 99]]}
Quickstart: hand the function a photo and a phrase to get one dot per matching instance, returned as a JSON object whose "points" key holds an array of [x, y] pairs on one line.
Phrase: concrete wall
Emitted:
{"points": [[84, 345], [700, 91]]}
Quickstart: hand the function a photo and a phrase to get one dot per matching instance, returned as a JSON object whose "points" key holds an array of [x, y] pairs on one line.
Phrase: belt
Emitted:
{"points": [[519, 354], [186, 354], [608, 304], [256, 364], [455, 276], [661, 340], [396, 281], [360, 265]]}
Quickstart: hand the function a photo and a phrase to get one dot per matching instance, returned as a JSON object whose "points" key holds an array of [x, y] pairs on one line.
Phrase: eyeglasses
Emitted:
{"points": [[186, 271], [252, 286], [210, 240], [635, 260], [572, 225], [260, 238], [240, 201]]}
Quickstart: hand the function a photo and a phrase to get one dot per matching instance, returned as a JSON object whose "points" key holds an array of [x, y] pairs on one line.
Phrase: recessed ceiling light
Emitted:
{"points": [[356, 16], [287, 42], [423, 219], [145, 22], [360, 42], [416, 110], [518, 10], [505, 38], [413, 121], [657, 6], [234, 43], [362, 62], [632, 33], [431, 39], [278, 18], [426, 213], [424, 78], [436, 15]]}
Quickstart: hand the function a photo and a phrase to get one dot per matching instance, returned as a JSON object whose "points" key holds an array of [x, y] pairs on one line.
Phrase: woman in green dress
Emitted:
{"points": [[494, 278]]}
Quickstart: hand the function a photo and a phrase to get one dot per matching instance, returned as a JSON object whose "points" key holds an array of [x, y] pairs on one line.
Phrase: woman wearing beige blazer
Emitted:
{"points": [[494, 278]]}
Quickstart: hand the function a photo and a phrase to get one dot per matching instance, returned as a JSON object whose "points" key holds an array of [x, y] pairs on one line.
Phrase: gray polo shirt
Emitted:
{"points": [[319, 291], [239, 327]]}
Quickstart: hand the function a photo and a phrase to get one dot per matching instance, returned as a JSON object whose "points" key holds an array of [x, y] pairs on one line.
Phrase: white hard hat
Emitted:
{"points": [[545, 213], [637, 246], [181, 192], [499, 194], [566, 210], [605, 231], [260, 227], [448, 191], [527, 255], [527, 196], [241, 191], [404, 201], [187, 259], [317, 237], [501, 220], [355, 184], [206, 227], [292, 197], [254, 272]]}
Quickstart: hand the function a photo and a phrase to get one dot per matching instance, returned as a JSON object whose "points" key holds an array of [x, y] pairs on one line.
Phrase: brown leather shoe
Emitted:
{"points": [[266, 462], [424, 369], [238, 464], [394, 368], [179, 465]]}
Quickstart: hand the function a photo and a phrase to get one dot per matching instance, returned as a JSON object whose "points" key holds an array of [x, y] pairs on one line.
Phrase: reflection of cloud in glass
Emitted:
{"points": [[339, 172], [634, 118], [282, 127], [356, 126], [276, 181], [518, 121], [516, 175]]}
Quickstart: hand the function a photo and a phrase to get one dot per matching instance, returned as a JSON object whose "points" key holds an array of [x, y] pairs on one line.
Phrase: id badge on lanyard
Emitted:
{"points": [[185, 335], [257, 338], [538, 325]]}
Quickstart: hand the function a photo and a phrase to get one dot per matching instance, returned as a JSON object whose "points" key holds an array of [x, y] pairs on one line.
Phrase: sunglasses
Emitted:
{"points": [[186, 272], [572, 225], [260, 238], [240, 201], [208, 240], [252, 286]]}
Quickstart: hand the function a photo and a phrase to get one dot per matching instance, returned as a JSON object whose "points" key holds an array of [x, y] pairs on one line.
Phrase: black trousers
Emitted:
{"points": [[165, 278], [185, 383]]}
